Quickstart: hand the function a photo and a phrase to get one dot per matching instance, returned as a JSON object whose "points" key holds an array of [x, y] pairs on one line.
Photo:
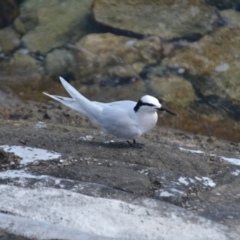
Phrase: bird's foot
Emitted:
{"points": [[135, 144]]}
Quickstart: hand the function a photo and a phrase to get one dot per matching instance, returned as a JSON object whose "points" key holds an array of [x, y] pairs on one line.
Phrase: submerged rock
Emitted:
{"points": [[224, 4], [8, 12], [9, 40], [53, 24], [213, 63], [231, 16], [166, 19], [173, 89], [59, 62], [102, 56]]}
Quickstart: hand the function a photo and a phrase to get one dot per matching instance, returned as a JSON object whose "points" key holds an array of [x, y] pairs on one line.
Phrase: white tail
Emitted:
{"points": [[78, 102]]}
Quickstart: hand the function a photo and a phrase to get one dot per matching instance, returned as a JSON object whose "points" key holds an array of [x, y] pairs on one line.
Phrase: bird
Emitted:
{"points": [[126, 120]]}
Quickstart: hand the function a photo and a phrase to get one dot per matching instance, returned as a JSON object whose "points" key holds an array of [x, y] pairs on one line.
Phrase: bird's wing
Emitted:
{"points": [[119, 122], [78, 102]]}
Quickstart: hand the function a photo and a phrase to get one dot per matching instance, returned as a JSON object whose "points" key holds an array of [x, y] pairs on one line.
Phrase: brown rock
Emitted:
{"points": [[231, 16], [167, 19], [110, 56], [173, 89], [205, 55], [217, 57], [59, 62], [53, 25], [9, 40], [8, 12]]}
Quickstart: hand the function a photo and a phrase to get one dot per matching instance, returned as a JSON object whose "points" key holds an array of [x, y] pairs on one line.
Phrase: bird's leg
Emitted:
{"points": [[135, 144]]}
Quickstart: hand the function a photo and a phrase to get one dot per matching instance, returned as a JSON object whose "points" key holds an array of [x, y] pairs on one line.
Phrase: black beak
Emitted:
{"points": [[166, 110]]}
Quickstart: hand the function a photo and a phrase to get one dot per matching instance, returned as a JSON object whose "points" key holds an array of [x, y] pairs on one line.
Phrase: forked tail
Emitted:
{"points": [[78, 102]]}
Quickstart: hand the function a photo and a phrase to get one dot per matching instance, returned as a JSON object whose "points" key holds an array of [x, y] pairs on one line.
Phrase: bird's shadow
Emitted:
{"points": [[114, 145]]}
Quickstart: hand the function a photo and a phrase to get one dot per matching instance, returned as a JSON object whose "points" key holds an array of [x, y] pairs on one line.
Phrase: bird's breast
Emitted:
{"points": [[147, 121]]}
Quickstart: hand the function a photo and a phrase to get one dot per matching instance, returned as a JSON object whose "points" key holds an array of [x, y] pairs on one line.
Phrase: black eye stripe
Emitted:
{"points": [[140, 103], [148, 104]]}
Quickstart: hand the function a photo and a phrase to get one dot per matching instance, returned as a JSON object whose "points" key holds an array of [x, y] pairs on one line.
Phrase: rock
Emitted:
{"points": [[8, 98], [22, 60], [226, 82], [173, 89], [56, 23], [213, 61], [123, 185], [204, 56], [174, 19], [59, 62], [232, 17], [103, 56], [20, 68], [224, 4], [9, 40], [8, 160], [8, 12], [62, 214], [28, 18]]}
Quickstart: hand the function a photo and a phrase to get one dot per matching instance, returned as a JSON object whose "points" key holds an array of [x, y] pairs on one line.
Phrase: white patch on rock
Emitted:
{"points": [[190, 150], [130, 43], [236, 173], [223, 67], [40, 125], [110, 141], [183, 181], [29, 154], [206, 181], [181, 70], [166, 194], [234, 161], [86, 138]]}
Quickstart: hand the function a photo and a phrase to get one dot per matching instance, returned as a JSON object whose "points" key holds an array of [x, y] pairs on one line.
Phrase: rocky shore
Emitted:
{"points": [[190, 176], [61, 178]]}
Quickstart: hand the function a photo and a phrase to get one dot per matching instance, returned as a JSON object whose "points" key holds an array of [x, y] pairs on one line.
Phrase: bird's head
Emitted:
{"points": [[149, 103]]}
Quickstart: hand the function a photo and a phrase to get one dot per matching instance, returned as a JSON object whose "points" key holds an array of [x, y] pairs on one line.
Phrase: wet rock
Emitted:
{"points": [[8, 12], [59, 62], [8, 160], [232, 17], [56, 23], [22, 73], [9, 40], [28, 18], [23, 61], [214, 59], [226, 84], [208, 54], [103, 56], [224, 4], [173, 89], [166, 19]]}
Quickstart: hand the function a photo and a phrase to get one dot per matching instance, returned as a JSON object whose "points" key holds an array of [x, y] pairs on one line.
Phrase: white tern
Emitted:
{"points": [[125, 120]]}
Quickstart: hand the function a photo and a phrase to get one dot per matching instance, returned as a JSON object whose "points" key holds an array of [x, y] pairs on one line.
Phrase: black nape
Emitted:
{"points": [[138, 105]]}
